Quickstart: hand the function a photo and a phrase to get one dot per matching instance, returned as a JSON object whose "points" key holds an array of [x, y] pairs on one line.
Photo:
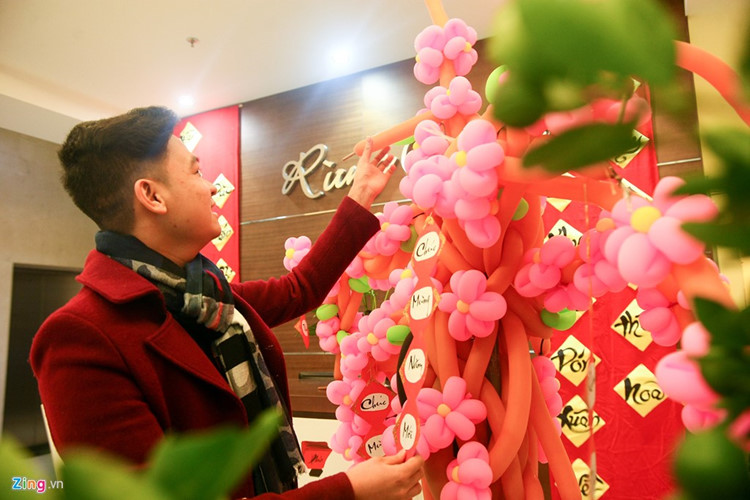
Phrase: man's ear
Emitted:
{"points": [[148, 195]]}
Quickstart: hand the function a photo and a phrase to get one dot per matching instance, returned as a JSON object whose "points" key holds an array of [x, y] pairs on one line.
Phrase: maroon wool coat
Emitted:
{"points": [[116, 371]]}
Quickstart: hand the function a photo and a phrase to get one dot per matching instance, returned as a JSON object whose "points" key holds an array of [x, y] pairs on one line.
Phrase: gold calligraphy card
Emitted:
{"points": [[640, 390]]}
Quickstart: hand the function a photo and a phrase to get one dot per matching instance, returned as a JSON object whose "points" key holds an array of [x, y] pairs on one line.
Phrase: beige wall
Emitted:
{"points": [[720, 27], [40, 225]]}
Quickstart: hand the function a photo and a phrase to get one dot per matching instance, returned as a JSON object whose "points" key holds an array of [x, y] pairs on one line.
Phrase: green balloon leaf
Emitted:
{"points": [[521, 210], [326, 311], [408, 245], [359, 285], [562, 320], [397, 334]]}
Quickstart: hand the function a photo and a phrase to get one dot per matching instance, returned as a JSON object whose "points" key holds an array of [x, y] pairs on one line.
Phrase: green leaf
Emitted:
{"points": [[15, 462], [578, 39], [735, 235], [88, 475], [517, 102], [581, 146], [709, 466], [731, 144], [208, 466], [728, 328]]}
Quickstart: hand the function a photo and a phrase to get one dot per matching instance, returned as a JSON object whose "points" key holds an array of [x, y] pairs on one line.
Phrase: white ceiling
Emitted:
{"points": [[63, 61]]}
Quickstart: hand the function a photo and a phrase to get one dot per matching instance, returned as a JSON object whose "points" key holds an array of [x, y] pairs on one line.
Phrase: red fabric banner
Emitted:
{"points": [[636, 428], [214, 137]]}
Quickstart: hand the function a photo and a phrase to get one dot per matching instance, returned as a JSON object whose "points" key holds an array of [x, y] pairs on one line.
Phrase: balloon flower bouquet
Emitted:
{"points": [[451, 364]]}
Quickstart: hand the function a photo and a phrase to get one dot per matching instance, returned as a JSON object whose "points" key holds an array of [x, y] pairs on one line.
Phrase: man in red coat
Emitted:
{"points": [[157, 341]]}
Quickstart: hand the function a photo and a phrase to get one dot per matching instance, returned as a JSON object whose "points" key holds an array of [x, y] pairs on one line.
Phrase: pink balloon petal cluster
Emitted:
{"points": [[347, 443], [469, 475], [680, 377], [449, 414], [473, 310], [327, 331], [648, 238], [434, 44], [475, 182], [373, 341], [659, 317], [458, 98], [547, 271], [545, 373], [395, 228], [295, 250]]}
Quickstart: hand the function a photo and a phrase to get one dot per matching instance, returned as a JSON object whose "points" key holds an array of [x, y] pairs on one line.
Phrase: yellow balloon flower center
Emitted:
{"points": [[289, 253], [461, 158], [406, 273], [443, 410], [372, 339], [416, 146], [347, 400], [454, 475], [385, 226], [348, 453], [417, 58], [644, 217], [462, 307], [605, 225], [467, 47]]}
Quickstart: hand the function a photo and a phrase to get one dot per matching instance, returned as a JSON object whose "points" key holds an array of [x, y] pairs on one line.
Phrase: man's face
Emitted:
{"points": [[190, 218]]}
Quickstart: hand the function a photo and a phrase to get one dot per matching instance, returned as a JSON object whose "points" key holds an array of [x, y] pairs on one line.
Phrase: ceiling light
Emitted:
{"points": [[340, 56], [186, 101]]}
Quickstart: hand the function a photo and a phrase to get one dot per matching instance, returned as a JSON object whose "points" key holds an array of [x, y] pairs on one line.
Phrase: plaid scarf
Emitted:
{"points": [[200, 298]]}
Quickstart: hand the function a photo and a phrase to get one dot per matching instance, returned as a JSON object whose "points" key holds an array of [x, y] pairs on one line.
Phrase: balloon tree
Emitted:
{"points": [[452, 364]]}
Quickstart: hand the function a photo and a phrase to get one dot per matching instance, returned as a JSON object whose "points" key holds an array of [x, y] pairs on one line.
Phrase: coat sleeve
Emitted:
{"points": [[278, 300], [88, 393], [336, 487]]}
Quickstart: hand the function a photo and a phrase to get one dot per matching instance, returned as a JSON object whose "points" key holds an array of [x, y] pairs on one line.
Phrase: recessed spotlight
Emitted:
{"points": [[186, 101], [340, 56]]}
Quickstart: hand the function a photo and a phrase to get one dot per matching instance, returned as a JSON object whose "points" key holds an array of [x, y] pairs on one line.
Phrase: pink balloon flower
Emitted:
{"points": [[429, 45], [658, 316], [596, 275], [327, 331], [429, 140], [296, 248], [545, 372], [449, 414], [477, 158], [395, 228], [458, 98], [353, 361], [427, 184], [469, 475], [459, 46], [649, 237], [473, 310], [347, 443], [373, 328]]}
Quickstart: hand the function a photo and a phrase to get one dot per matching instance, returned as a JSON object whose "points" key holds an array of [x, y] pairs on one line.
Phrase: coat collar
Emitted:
{"points": [[119, 284], [114, 281]]}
